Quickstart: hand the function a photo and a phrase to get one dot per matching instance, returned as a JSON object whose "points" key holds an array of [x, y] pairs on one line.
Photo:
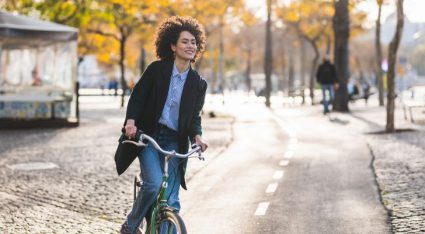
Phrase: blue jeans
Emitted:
{"points": [[151, 165], [327, 99]]}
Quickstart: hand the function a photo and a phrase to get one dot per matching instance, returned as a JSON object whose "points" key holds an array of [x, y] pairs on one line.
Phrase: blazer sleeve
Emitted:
{"points": [[140, 94], [196, 124]]}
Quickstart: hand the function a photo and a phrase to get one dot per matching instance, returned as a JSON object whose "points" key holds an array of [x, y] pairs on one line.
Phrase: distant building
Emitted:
{"points": [[411, 31], [38, 70], [90, 75]]}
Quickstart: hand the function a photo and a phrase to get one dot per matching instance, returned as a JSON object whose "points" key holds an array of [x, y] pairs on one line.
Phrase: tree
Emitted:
{"points": [[268, 61], [247, 43], [311, 25], [302, 68], [379, 72], [118, 19], [341, 27], [75, 13], [392, 59], [214, 16]]}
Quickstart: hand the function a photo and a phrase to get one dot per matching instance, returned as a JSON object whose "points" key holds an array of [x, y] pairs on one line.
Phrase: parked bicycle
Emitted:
{"points": [[162, 218]]}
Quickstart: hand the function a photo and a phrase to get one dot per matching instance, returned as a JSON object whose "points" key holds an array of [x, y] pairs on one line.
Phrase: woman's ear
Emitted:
{"points": [[173, 48]]}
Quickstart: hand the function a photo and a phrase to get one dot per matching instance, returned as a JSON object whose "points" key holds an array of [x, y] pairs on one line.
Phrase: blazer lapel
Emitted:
{"points": [[163, 84], [188, 96]]}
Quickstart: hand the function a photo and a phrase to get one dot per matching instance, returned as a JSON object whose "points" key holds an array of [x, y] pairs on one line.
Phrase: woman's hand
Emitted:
{"points": [[198, 141], [130, 128]]}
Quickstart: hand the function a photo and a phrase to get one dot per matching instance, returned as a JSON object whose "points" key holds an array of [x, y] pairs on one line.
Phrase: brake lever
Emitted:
{"points": [[200, 157], [135, 143]]}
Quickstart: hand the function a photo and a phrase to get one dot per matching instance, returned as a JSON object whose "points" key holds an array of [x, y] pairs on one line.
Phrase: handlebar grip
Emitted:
{"points": [[138, 133]]}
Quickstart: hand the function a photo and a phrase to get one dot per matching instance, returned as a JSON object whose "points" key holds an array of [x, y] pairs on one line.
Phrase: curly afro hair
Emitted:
{"points": [[169, 32]]}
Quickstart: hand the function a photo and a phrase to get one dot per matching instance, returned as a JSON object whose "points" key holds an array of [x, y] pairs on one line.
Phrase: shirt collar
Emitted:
{"points": [[183, 75]]}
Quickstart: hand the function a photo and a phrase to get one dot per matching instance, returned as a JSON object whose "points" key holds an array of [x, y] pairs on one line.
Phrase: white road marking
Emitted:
{"points": [[288, 154], [262, 208], [283, 126], [271, 188], [278, 174], [284, 163]]}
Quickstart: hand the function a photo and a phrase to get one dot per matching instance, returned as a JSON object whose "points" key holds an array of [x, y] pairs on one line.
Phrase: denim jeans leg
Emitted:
{"points": [[174, 181], [332, 92], [152, 177], [327, 97], [324, 98], [169, 142]]}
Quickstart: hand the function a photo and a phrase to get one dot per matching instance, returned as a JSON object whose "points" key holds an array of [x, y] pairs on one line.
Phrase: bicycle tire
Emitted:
{"points": [[169, 221]]}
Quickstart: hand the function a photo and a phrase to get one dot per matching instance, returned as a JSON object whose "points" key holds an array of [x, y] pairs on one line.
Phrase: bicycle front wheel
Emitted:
{"points": [[171, 223]]}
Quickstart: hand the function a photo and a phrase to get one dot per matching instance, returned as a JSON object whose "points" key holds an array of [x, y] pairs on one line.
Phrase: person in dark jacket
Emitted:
{"points": [[327, 78], [166, 104]]}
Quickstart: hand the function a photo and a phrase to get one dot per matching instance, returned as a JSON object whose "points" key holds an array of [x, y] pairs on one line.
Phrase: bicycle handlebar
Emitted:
{"points": [[140, 137]]}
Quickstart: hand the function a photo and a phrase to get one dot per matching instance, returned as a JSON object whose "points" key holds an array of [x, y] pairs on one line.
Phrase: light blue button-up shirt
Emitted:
{"points": [[170, 113]]}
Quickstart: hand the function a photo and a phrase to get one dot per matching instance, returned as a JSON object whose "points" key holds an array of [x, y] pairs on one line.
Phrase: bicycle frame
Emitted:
{"points": [[161, 200]]}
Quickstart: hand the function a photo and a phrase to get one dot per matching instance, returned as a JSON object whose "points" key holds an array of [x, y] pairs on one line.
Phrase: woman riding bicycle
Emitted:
{"points": [[166, 104]]}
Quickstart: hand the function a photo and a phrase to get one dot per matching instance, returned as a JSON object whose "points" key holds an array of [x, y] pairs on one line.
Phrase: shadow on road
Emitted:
{"points": [[338, 120]]}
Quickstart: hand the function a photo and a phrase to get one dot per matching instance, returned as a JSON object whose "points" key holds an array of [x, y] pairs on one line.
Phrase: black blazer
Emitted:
{"points": [[148, 99]]}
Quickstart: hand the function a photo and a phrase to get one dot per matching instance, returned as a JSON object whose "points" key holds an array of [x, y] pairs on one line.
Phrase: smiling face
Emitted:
{"points": [[185, 48]]}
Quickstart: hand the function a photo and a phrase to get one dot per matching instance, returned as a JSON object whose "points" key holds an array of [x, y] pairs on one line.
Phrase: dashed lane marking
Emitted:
{"points": [[271, 188], [278, 174], [284, 163], [262, 208]]}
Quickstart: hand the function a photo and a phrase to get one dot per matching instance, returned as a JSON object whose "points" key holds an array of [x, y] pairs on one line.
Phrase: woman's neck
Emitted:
{"points": [[182, 65]]}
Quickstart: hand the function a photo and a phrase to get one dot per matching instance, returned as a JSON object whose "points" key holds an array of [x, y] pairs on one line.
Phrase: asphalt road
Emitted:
{"points": [[287, 171]]}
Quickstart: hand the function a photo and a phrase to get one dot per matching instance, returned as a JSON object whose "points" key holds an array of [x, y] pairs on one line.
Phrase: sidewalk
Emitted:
{"points": [[399, 165], [64, 180]]}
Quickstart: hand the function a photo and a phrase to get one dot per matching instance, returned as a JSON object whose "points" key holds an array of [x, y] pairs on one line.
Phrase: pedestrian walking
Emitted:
{"points": [[327, 78], [166, 104]]}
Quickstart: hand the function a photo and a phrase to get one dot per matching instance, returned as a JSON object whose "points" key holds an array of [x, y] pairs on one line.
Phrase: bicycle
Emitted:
{"points": [[163, 218]]}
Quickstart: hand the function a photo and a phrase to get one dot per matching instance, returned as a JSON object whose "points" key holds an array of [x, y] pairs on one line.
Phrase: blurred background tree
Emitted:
{"points": [[120, 33]]}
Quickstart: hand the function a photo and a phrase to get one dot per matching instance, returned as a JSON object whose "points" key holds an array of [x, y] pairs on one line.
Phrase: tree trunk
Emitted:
{"points": [[314, 62], [302, 71], [379, 72], [283, 54], [268, 62], [221, 60], [291, 74], [328, 44], [392, 59], [122, 68], [248, 70], [359, 66], [341, 27], [142, 62]]}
